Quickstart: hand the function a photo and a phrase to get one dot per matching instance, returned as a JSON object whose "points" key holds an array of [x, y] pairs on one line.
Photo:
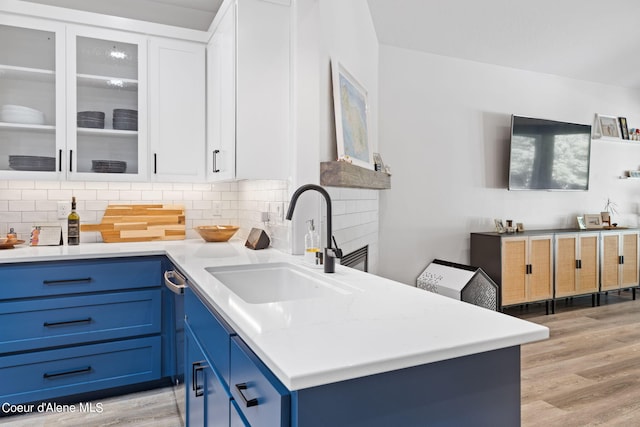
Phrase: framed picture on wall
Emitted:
{"points": [[351, 106], [609, 126]]}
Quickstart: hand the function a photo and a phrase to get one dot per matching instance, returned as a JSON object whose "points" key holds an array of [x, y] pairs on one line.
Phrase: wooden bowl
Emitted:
{"points": [[216, 233]]}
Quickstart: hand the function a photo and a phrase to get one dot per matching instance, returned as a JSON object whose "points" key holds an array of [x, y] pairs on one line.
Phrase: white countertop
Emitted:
{"points": [[378, 326]]}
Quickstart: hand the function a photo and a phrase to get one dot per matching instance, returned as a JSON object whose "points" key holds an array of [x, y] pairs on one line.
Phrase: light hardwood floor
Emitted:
{"points": [[586, 374], [153, 408]]}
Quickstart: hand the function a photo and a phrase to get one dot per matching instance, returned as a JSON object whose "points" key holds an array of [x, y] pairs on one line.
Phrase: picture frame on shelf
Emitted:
{"points": [[519, 227], [499, 225], [351, 111], [623, 127], [609, 126], [605, 218], [378, 163], [592, 221], [581, 224]]}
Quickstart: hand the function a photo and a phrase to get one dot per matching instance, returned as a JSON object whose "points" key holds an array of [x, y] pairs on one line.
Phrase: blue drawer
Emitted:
{"points": [[40, 279], [49, 374], [51, 322], [211, 331], [260, 396]]}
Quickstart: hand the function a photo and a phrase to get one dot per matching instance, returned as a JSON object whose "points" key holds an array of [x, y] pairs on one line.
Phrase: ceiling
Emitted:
{"points": [[582, 39], [194, 14], [588, 40]]}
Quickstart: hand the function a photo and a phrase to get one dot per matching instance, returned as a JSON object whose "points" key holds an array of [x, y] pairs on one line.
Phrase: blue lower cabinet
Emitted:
{"points": [[54, 373], [207, 397], [81, 326], [68, 320], [261, 397], [236, 418], [39, 279]]}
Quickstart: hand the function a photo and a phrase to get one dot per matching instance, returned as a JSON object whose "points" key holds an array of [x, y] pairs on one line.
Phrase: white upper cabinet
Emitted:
{"points": [[106, 104], [177, 96], [32, 88], [248, 96]]}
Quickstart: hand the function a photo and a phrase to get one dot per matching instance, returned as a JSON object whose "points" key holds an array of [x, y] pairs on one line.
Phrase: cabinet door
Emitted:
{"points": [[588, 273], [207, 401], [610, 278], [566, 272], [261, 398], [630, 259], [541, 268], [32, 84], [106, 104], [221, 99], [514, 270], [263, 81], [177, 110]]}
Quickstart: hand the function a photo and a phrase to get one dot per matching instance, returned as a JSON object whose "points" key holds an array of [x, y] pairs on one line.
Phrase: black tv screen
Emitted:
{"points": [[549, 155]]}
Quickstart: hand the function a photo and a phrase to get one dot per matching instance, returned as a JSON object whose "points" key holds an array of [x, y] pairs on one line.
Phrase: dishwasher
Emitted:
{"points": [[176, 283]]}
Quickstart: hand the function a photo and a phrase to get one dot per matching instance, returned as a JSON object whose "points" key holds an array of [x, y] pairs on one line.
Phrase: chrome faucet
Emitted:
{"points": [[330, 253]]}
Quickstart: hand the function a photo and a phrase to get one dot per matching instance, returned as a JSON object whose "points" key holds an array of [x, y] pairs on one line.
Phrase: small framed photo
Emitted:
{"points": [[593, 221], [377, 162], [609, 126], [519, 227], [581, 223], [499, 226], [606, 218], [623, 127]]}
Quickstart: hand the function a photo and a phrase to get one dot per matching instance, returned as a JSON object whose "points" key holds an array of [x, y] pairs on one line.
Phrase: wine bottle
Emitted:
{"points": [[73, 225]]}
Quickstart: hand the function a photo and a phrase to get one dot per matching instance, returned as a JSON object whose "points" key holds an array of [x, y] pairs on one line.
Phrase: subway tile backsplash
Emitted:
{"points": [[24, 203]]}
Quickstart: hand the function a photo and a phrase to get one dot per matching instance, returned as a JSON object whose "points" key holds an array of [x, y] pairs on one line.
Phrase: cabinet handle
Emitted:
{"points": [[70, 372], [60, 160], [577, 263], [621, 259], [155, 163], [176, 288], [215, 167], [68, 322], [248, 402], [195, 368], [70, 160], [63, 281]]}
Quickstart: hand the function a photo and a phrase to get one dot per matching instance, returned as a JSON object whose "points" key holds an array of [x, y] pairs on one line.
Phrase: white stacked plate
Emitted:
{"points": [[20, 114], [32, 163], [108, 166]]}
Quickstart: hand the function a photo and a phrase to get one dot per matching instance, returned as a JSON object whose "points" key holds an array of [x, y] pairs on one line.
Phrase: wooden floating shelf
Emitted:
{"points": [[343, 174]]}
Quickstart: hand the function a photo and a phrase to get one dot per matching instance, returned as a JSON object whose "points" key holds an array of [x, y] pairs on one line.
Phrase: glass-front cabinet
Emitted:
{"points": [[106, 107], [32, 96]]}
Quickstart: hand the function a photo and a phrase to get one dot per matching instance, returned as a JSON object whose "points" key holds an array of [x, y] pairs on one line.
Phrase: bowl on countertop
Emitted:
{"points": [[216, 233]]}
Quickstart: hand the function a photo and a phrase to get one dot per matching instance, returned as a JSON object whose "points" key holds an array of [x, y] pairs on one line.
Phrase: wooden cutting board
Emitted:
{"points": [[140, 223]]}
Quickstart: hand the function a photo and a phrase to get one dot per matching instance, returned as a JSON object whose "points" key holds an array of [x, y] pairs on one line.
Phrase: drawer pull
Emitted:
{"points": [[63, 281], [178, 286], [68, 322], [248, 402], [70, 372], [195, 368]]}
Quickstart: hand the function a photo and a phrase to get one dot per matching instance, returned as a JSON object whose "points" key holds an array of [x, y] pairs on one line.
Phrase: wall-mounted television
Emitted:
{"points": [[549, 155]]}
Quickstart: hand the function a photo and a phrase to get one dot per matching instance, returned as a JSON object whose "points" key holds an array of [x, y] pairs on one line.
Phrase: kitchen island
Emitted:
{"points": [[381, 352]]}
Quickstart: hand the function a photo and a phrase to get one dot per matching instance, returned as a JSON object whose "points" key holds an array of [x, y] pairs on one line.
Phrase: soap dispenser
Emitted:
{"points": [[311, 245]]}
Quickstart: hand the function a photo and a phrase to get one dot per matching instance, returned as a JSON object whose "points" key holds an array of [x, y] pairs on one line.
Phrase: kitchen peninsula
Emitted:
{"points": [[378, 352]]}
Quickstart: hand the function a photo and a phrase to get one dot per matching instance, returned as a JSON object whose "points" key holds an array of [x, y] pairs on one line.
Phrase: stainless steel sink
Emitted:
{"points": [[265, 283]]}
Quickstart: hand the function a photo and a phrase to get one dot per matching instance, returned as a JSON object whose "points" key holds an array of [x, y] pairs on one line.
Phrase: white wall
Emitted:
{"points": [[444, 130], [325, 30]]}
